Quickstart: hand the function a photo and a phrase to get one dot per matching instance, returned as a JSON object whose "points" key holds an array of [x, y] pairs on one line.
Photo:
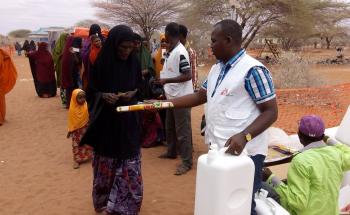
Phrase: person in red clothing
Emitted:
{"points": [[72, 67], [43, 71]]}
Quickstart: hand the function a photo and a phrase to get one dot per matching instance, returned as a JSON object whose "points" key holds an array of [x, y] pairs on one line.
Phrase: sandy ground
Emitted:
{"points": [[36, 174]]}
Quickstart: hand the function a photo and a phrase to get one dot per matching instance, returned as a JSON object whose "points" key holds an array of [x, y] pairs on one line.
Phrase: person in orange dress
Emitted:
{"points": [[96, 45], [159, 57], [8, 76], [78, 118]]}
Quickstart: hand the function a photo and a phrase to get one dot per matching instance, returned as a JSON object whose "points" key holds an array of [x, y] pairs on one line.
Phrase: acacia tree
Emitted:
{"points": [[20, 33], [88, 22], [252, 15], [330, 23], [296, 24], [199, 17], [144, 15], [304, 19]]}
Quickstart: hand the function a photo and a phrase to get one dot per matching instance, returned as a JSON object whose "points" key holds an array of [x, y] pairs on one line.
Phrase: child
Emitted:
{"points": [[78, 117], [152, 134]]}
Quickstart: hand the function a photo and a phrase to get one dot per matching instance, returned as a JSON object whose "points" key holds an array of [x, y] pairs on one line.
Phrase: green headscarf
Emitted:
{"points": [[146, 60], [57, 56]]}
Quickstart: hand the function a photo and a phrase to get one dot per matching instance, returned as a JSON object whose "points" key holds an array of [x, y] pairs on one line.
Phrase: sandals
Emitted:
{"points": [[182, 169], [76, 165]]}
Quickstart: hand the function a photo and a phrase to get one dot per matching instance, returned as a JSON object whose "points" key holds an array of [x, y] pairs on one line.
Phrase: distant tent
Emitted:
{"points": [[53, 37], [40, 35], [84, 32], [48, 35]]}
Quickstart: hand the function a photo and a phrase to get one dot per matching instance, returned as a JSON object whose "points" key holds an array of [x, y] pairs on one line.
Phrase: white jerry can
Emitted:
{"points": [[224, 184], [344, 197], [343, 134]]}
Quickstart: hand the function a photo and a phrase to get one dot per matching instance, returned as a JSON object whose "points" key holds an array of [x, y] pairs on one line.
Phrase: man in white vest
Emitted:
{"points": [[176, 78], [240, 97]]}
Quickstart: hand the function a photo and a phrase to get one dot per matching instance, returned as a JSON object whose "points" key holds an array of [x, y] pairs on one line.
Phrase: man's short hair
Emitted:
{"points": [[183, 31], [172, 29], [232, 29]]}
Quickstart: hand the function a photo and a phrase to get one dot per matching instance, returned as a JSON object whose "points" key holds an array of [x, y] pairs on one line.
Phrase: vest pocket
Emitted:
{"points": [[237, 114]]}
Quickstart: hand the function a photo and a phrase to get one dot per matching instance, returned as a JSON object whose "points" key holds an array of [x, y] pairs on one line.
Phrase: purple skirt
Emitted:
{"points": [[117, 185]]}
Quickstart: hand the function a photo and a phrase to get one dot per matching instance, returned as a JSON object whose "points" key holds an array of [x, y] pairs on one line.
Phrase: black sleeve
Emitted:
{"points": [[184, 65], [139, 83], [92, 94]]}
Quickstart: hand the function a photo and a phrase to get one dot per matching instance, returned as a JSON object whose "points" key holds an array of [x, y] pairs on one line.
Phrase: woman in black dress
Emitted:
{"points": [[116, 80]]}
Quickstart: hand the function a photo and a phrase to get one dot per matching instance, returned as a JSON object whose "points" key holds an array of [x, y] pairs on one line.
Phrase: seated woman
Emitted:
{"points": [[43, 71]]}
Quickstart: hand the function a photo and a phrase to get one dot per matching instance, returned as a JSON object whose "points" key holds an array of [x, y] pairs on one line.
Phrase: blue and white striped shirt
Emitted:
{"points": [[259, 85], [258, 81]]}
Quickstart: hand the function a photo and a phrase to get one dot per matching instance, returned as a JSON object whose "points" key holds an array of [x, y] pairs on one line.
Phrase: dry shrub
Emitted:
{"points": [[293, 71]]}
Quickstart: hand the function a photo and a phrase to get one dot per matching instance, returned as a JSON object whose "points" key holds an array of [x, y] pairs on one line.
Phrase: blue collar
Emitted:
{"points": [[233, 59]]}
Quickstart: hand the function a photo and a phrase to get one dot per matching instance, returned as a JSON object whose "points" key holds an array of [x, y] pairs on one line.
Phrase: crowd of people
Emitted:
{"points": [[97, 74]]}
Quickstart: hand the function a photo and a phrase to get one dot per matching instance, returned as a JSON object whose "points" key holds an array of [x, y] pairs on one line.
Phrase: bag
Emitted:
{"points": [[268, 206]]}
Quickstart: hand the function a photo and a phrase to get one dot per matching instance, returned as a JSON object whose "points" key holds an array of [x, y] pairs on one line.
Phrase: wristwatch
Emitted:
{"points": [[248, 136]]}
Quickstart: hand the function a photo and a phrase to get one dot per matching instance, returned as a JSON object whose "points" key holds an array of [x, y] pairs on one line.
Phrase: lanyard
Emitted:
{"points": [[224, 70]]}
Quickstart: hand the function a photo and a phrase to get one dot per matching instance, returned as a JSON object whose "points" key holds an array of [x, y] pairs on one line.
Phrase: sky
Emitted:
{"points": [[33, 14]]}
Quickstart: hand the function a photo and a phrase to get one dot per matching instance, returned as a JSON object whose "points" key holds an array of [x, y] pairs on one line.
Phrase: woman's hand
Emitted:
{"points": [[110, 98], [145, 72], [127, 96]]}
